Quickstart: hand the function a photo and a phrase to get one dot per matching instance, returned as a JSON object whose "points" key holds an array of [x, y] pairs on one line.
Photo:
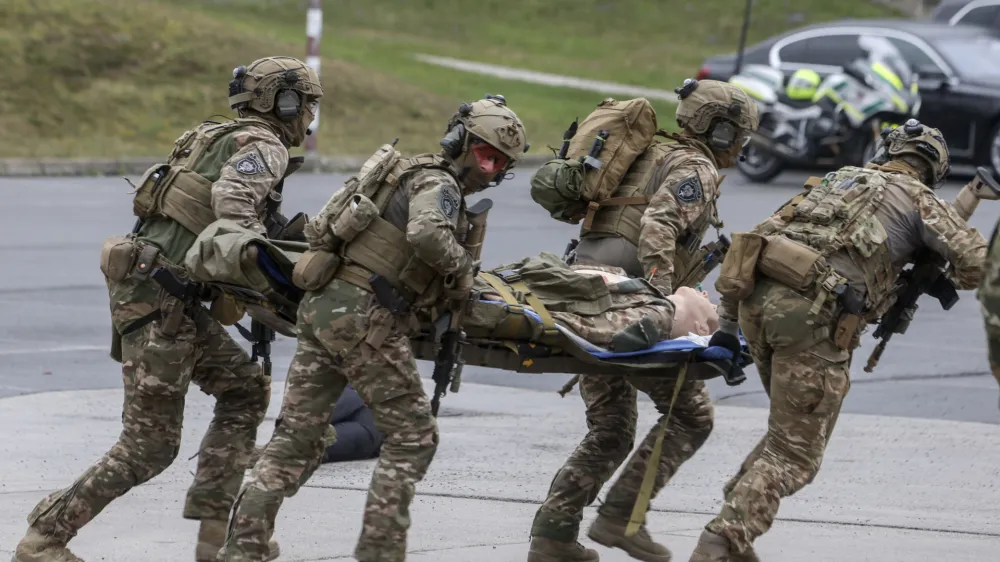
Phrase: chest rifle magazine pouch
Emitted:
{"points": [[315, 269], [789, 262], [117, 258], [737, 276], [357, 214]]}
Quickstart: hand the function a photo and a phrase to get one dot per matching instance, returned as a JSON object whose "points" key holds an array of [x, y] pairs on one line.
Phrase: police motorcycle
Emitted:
{"points": [[831, 122]]}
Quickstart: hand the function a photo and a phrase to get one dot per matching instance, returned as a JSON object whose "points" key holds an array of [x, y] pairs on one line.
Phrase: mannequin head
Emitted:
{"points": [[694, 313]]}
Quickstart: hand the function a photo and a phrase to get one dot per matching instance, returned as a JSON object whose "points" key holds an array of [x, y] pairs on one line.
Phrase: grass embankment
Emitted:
{"points": [[126, 77]]}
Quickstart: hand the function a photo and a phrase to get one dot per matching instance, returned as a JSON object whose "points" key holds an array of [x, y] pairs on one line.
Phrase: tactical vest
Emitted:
{"points": [[839, 214], [174, 190], [353, 227], [640, 183]]}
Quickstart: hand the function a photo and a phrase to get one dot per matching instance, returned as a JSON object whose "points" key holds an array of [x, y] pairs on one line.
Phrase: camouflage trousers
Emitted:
{"points": [[335, 347], [157, 369], [806, 377], [611, 419]]}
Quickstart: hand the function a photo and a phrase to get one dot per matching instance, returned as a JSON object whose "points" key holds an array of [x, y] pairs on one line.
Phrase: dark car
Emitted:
{"points": [[958, 66], [984, 13]]}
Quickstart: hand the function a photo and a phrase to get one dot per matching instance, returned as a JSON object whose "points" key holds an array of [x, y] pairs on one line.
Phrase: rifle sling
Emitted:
{"points": [[158, 315], [135, 325]]}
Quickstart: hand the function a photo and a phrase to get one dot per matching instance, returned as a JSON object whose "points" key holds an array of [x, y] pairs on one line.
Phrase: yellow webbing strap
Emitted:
{"points": [[499, 287], [507, 329], [548, 324], [638, 516]]}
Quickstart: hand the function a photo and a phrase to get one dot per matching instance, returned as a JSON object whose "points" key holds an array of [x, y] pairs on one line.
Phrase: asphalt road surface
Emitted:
{"points": [[55, 327]]}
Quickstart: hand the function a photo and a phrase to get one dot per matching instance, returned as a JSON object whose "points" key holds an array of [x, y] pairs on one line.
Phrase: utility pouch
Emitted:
{"points": [[789, 262], [315, 269], [737, 277], [226, 310], [145, 262], [117, 258], [359, 212], [846, 335], [146, 194], [172, 310], [116, 345]]}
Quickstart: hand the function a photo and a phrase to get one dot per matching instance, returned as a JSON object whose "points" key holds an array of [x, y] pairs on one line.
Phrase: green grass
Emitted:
{"points": [[125, 77]]}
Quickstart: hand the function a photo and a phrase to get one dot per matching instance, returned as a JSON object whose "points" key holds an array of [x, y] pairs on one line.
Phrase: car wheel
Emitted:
{"points": [[759, 166]]}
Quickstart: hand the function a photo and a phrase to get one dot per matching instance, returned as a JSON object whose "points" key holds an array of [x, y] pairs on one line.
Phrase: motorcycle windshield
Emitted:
{"points": [[888, 63]]}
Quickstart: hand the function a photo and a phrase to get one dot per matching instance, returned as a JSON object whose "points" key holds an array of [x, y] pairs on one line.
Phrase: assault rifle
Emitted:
{"points": [[447, 329], [926, 275], [260, 337]]}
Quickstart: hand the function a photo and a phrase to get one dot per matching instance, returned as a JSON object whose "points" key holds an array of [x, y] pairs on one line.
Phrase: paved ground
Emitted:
{"points": [[912, 469]]}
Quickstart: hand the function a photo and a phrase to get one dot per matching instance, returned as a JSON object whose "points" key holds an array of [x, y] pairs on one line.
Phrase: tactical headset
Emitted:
{"points": [[455, 140], [723, 133], [287, 103]]}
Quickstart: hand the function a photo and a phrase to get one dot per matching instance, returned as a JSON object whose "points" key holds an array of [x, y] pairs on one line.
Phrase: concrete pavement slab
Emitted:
{"points": [[906, 488]]}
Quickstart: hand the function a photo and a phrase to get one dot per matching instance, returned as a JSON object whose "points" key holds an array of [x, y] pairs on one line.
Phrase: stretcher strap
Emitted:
{"points": [[508, 328], [506, 295], [638, 516], [549, 329]]}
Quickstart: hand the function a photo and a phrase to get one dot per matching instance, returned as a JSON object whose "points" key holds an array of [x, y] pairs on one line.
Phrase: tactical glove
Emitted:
{"points": [[461, 288], [731, 342], [728, 341]]}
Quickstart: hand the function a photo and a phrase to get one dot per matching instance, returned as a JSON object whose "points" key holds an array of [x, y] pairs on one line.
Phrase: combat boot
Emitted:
{"points": [[37, 547], [611, 533], [548, 550], [715, 548], [211, 537]]}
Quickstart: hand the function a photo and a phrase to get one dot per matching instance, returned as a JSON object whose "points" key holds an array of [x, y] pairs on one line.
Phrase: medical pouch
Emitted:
{"points": [[789, 262], [144, 204], [355, 217], [117, 258], [737, 276], [315, 269]]}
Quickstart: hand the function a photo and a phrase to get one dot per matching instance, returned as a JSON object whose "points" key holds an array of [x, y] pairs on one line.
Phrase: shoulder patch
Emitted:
{"points": [[448, 202], [250, 165], [689, 190]]}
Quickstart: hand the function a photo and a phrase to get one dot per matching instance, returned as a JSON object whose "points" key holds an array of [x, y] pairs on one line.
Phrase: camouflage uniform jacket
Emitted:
{"points": [[683, 188], [913, 218], [243, 166], [989, 298]]}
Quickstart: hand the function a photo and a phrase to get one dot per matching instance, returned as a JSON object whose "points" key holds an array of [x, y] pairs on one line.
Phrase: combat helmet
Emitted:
{"points": [[719, 111], [486, 122], [283, 87], [919, 141]]}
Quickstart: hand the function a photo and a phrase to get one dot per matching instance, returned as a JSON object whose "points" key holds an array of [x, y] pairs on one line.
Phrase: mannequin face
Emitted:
{"points": [[694, 313]]}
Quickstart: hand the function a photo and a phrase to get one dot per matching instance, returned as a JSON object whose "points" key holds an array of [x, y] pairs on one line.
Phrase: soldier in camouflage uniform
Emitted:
{"points": [[216, 171], [989, 298], [839, 246], [406, 227], [681, 179]]}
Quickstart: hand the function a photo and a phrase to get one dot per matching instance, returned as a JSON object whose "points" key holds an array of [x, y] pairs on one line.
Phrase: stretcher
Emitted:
{"points": [[564, 352], [572, 354]]}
